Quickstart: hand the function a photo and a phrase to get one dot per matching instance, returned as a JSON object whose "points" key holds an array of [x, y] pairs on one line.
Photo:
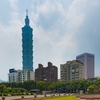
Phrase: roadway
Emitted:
{"points": [[26, 96]]}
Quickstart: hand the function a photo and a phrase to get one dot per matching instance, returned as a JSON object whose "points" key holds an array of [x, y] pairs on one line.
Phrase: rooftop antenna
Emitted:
{"points": [[26, 12]]}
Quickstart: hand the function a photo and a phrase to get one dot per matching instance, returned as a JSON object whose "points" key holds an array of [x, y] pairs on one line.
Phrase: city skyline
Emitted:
{"points": [[63, 29]]}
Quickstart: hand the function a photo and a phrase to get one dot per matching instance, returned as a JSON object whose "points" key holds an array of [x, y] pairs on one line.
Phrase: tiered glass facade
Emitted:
{"points": [[27, 46]]}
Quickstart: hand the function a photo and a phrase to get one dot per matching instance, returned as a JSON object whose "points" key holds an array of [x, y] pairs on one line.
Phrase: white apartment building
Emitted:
{"points": [[13, 77], [20, 75]]}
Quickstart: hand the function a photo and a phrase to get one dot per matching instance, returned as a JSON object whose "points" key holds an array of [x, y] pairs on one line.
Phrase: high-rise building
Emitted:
{"points": [[88, 60], [27, 56], [49, 73], [71, 70], [27, 45]]}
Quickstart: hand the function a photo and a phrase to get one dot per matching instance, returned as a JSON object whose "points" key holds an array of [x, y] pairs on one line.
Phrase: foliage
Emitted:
{"points": [[2, 88], [19, 92], [9, 89], [13, 92], [93, 88], [21, 89], [5, 92], [51, 86], [0, 94], [58, 87], [41, 85], [29, 85], [26, 92]]}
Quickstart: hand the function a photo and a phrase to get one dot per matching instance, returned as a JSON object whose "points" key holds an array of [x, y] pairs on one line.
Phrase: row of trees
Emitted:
{"points": [[56, 87]]}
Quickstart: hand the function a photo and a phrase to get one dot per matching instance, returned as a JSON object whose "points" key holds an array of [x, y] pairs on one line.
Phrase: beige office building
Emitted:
{"points": [[25, 75], [71, 70]]}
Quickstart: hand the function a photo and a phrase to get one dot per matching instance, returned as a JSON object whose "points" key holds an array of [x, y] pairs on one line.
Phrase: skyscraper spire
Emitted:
{"points": [[26, 19], [26, 12]]}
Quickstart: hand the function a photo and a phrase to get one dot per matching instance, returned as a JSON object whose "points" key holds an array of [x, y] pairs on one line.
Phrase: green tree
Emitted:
{"points": [[5, 92], [14, 84], [93, 88], [9, 89], [20, 85], [29, 85], [2, 88], [41, 85], [52, 86]]}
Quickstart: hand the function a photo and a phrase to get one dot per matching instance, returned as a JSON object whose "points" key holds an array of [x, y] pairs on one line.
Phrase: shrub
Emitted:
{"points": [[19, 92], [6, 92], [25, 92], [32, 93], [13, 93], [9, 89], [0, 94]]}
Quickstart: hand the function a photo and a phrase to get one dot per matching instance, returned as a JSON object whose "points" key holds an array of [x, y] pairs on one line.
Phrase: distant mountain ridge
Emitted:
{"points": [[2, 81]]}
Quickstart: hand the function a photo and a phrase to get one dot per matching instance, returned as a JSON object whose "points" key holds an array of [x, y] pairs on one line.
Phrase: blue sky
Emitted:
{"points": [[63, 29]]}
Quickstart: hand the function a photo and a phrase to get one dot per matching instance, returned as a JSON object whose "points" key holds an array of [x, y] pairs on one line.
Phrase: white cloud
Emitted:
{"points": [[60, 45], [55, 43], [47, 14], [75, 15], [13, 4], [10, 42]]}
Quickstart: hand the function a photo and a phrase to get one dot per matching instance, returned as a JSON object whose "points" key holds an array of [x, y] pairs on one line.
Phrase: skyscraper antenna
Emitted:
{"points": [[26, 12]]}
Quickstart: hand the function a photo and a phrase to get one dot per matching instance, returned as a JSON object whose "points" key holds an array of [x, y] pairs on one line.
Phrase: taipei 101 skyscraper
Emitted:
{"points": [[27, 72], [27, 45]]}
